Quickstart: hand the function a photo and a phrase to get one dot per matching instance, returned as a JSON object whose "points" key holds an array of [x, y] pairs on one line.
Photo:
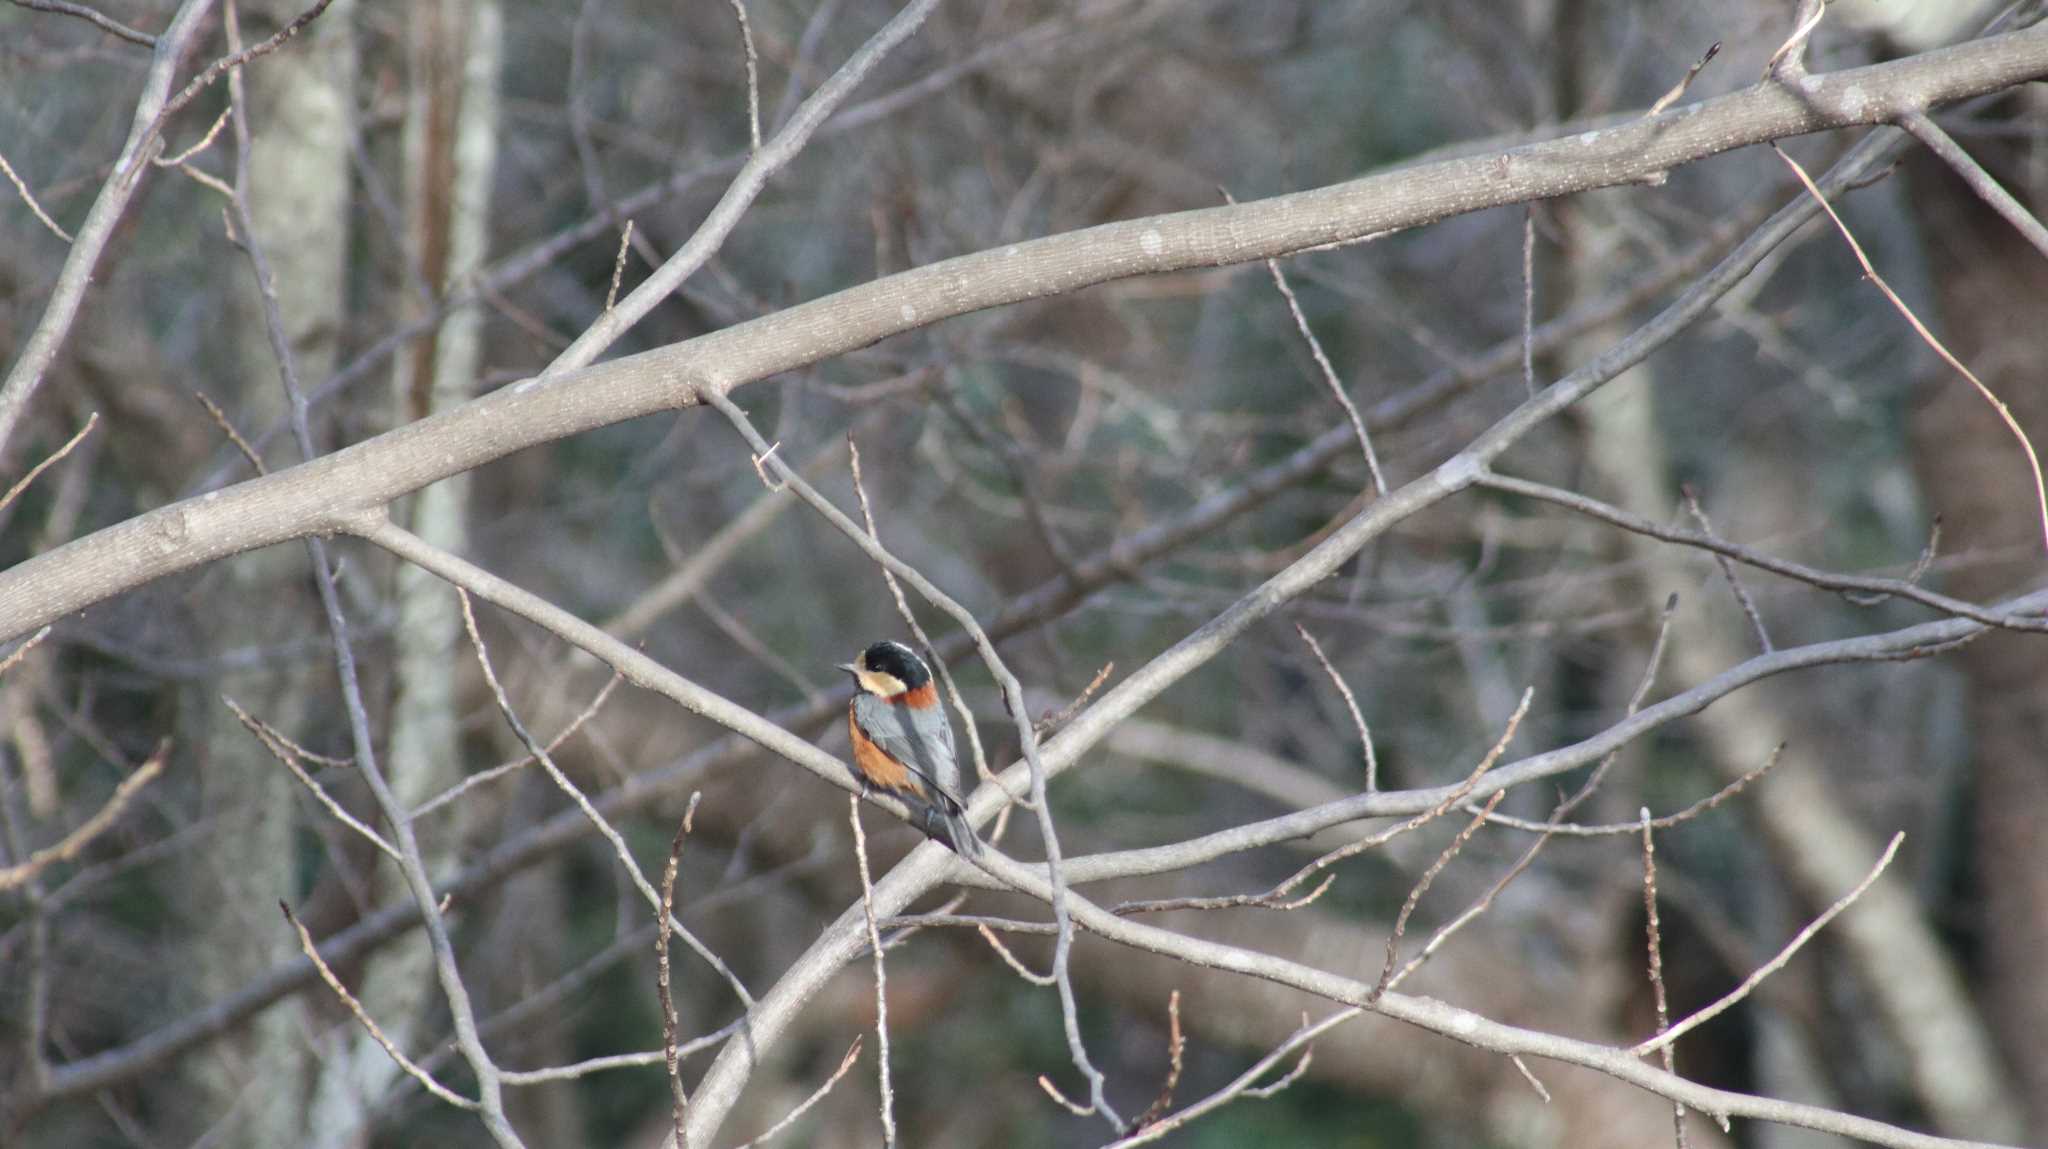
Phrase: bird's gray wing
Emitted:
{"points": [[920, 738]]}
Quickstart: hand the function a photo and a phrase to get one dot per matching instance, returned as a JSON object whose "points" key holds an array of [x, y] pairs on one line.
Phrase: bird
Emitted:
{"points": [[903, 745]]}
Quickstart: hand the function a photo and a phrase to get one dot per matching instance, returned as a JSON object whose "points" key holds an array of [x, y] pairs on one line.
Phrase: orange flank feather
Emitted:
{"points": [[875, 764], [922, 698]]}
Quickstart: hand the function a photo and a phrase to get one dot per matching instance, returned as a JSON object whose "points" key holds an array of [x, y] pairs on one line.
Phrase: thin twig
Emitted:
{"points": [[1927, 336], [1242, 1085], [671, 1055], [105, 24], [1792, 53], [597, 819], [1323, 366], [205, 141], [1913, 576], [78, 839], [1825, 580], [1054, 719], [220, 419], [1300, 1070], [520, 763], [1053, 1091], [286, 753], [227, 63], [611, 295], [28, 197], [1372, 764], [1175, 1046], [1421, 887], [363, 1017], [1016, 964], [1271, 898], [867, 903], [739, 11], [1569, 830], [1987, 187], [1748, 604], [817, 1095], [1530, 1077], [21, 651], [1776, 963], [21, 484], [1529, 299], [1656, 967], [1677, 91]]}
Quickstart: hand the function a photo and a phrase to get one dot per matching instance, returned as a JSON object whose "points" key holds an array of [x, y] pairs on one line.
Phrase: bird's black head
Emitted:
{"points": [[889, 668]]}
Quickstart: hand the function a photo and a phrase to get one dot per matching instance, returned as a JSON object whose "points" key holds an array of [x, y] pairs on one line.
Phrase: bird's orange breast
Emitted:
{"points": [[875, 764]]}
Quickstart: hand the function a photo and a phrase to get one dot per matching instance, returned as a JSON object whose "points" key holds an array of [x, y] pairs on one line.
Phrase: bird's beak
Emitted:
{"points": [[848, 667]]}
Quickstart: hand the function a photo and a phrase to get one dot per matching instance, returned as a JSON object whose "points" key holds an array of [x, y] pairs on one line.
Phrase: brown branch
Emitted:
{"points": [[670, 1023], [369, 1023], [1776, 963], [28, 197], [72, 844], [1421, 887], [1928, 337], [1175, 1046], [1656, 968], [22, 484]]}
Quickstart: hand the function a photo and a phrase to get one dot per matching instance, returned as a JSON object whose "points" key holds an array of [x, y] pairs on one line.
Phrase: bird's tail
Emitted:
{"points": [[945, 820]]}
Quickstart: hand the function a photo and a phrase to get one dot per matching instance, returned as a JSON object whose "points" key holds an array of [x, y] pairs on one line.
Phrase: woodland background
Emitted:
{"points": [[440, 189]]}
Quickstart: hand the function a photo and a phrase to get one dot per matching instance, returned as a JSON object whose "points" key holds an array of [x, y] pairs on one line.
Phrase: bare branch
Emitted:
{"points": [[73, 843], [1421, 887], [1825, 580], [817, 1095], [1243, 1085], [1776, 963], [739, 11], [1926, 336], [1174, 1047], [28, 197], [109, 26], [867, 903], [1372, 765], [288, 755], [1656, 967], [620, 850], [369, 1023], [1982, 182], [381, 469], [22, 484], [1748, 604], [499, 771], [1678, 90], [670, 1023], [1329, 373]]}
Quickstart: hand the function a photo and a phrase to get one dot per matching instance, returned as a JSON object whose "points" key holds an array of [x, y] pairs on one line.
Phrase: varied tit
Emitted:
{"points": [[902, 743]]}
